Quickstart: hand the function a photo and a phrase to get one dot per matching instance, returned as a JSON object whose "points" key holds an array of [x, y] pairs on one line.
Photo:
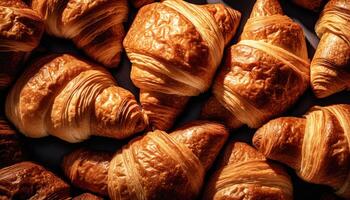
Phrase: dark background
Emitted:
{"points": [[49, 151]]}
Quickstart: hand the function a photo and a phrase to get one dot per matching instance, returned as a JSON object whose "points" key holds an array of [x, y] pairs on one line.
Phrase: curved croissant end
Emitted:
{"points": [[154, 166], [244, 173], [95, 26], [316, 146], [27, 180], [72, 99], [21, 29], [153, 45], [268, 67], [329, 67]]}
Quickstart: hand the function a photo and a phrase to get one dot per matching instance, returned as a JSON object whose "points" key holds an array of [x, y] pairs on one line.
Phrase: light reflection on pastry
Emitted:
{"points": [[71, 99], [155, 166], [21, 29], [243, 173], [316, 146], [264, 74], [95, 26], [330, 67], [175, 48]]}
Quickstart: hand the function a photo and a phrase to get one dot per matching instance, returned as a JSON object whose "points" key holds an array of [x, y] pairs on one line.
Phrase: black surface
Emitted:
{"points": [[49, 151]]}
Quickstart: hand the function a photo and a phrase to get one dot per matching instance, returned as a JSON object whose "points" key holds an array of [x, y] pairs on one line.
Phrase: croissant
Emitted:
{"points": [[26, 180], [330, 66], [175, 48], [309, 4], [10, 146], [72, 99], [264, 74], [154, 166], [95, 26], [20, 32], [316, 146], [244, 173]]}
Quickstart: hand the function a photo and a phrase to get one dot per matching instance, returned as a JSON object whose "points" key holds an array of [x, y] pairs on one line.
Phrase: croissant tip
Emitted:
{"points": [[266, 8]]}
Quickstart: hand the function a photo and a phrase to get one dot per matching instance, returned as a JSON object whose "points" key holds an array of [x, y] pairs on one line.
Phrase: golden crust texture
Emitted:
{"points": [[155, 166], [265, 73], [10, 146], [244, 173], [316, 146], [313, 5], [21, 29], [95, 26], [175, 48], [72, 99], [26, 180], [330, 72]]}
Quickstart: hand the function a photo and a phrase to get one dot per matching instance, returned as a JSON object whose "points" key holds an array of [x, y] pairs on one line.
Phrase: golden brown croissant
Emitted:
{"points": [[21, 29], [175, 48], [244, 173], [264, 74], [330, 72], [95, 26], [309, 4], [26, 180], [10, 146], [316, 146], [72, 99], [155, 166]]}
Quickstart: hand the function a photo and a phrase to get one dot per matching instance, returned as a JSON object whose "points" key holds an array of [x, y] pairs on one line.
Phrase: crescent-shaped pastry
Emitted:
{"points": [[243, 173], [10, 147], [27, 180], [95, 26], [72, 99], [21, 29], [330, 67], [155, 166], [316, 146], [264, 74], [175, 48]]}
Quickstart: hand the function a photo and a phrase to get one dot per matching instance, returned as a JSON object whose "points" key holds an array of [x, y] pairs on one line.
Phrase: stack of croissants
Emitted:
{"points": [[177, 50]]}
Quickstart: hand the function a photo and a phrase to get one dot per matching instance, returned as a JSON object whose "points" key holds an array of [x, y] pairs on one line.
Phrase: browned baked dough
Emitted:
{"points": [[155, 166], [316, 146], [264, 74], [175, 48], [72, 99]]}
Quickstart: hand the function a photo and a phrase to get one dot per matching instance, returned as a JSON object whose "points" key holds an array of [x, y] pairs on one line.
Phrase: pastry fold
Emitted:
{"points": [[244, 173], [264, 74], [21, 29], [72, 99], [330, 66], [175, 48], [316, 146], [95, 26], [155, 166]]}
